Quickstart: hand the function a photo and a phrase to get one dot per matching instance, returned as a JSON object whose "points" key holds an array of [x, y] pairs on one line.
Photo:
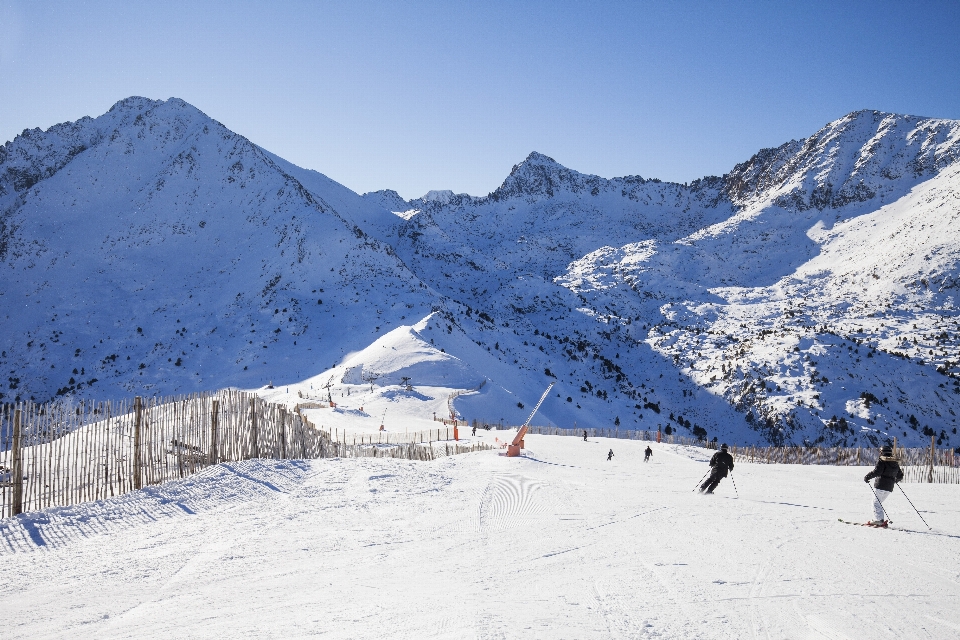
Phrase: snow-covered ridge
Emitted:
{"points": [[158, 251], [732, 256], [756, 305], [864, 155]]}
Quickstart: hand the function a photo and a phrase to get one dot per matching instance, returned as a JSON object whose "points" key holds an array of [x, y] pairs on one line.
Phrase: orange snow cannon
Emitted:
{"points": [[513, 449]]}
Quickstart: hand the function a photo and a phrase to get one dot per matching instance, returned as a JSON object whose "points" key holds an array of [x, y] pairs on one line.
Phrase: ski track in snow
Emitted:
{"points": [[563, 544]]}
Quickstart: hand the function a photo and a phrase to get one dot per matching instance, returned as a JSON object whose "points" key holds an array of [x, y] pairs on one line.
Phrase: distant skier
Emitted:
{"points": [[584, 435], [647, 454], [888, 473], [721, 464], [610, 455], [474, 432]]}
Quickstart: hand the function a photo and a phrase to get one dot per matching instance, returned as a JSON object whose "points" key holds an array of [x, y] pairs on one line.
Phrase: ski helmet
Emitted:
{"points": [[723, 447], [887, 450]]}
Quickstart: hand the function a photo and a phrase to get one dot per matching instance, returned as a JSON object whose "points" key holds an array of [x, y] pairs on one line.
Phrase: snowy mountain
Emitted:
{"points": [[806, 296], [152, 250], [785, 288]]}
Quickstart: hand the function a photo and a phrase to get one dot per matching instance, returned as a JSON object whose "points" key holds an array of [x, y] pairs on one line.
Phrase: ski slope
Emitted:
{"points": [[557, 544]]}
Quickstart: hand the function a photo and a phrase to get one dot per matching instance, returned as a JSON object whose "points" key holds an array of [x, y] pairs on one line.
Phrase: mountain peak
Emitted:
{"points": [[537, 158], [135, 103], [136, 106], [863, 155], [540, 175], [873, 115], [442, 196], [388, 199], [537, 163]]}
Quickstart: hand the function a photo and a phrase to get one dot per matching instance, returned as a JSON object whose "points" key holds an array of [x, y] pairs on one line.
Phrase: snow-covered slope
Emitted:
{"points": [[558, 544], [807, 295], [151, 249], [748, 288], [782, 308]]}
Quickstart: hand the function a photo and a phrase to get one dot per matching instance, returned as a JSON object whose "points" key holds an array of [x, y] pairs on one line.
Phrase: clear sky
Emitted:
{"points": [[420, 95]]}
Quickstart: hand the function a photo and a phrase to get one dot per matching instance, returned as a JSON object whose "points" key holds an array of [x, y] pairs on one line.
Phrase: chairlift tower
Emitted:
{"points": [[371, 378], [327, 387]]}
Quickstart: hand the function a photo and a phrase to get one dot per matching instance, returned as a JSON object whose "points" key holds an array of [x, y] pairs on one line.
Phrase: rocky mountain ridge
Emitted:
{"points": [[805, 296]]}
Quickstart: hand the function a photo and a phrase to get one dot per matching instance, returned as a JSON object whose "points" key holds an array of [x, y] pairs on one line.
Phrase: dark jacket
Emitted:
{"points": [[721, 462], [887, 472]]}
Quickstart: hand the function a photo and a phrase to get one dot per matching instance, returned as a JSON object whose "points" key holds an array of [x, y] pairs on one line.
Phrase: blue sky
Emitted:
{"points": [[450, 95]]}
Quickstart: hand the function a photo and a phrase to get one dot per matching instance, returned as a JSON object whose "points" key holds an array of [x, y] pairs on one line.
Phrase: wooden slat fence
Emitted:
{"points": [[918, 464], [63, 454], [622, 434], [408, 451], [58, 455], [424, 436]]}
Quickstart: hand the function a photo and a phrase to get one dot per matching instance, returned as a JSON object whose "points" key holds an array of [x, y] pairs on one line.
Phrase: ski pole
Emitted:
{"points": [[874, 492], [734, 486], [701, 480], [911, 504]]}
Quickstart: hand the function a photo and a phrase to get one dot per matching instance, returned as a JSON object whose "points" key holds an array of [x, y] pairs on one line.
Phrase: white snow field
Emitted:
{"points": [[557, 544]]}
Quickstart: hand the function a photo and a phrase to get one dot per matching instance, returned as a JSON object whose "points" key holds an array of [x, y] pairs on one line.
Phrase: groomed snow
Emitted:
{"points": [[558, 544]]}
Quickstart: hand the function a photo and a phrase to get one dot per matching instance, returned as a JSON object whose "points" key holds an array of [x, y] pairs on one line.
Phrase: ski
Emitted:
{"points": [[866, 524]]}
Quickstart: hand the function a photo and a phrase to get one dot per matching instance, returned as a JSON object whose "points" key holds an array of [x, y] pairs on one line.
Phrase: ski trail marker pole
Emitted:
{"points": [[734, 486], [911, 504], [701, 480], [874, 492]]}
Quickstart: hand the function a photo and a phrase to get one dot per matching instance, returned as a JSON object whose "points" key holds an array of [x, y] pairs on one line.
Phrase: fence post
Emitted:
{"points": [[303, 437], [254, 440], [214, 424], [933, 451], [283, 433], [138, 411], [17, 467]]}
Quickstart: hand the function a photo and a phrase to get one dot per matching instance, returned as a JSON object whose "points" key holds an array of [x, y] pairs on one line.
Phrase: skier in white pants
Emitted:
{"points": [[887, 474]]}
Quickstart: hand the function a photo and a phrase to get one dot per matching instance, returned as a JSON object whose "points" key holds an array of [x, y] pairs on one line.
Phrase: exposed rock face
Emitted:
{"points": [[854, 159]]}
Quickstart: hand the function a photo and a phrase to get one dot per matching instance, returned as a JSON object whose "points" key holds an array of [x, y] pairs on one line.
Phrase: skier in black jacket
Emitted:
{"points": [[888, 473], [647, 453], [722, 464]]}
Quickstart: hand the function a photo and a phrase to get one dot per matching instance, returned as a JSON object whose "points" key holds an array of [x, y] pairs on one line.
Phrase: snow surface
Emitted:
{"points": [[557, 544]]}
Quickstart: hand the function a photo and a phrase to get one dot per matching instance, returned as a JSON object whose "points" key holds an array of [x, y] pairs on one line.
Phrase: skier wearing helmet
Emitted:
{"points": [[721, 463], [887, 474]]}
